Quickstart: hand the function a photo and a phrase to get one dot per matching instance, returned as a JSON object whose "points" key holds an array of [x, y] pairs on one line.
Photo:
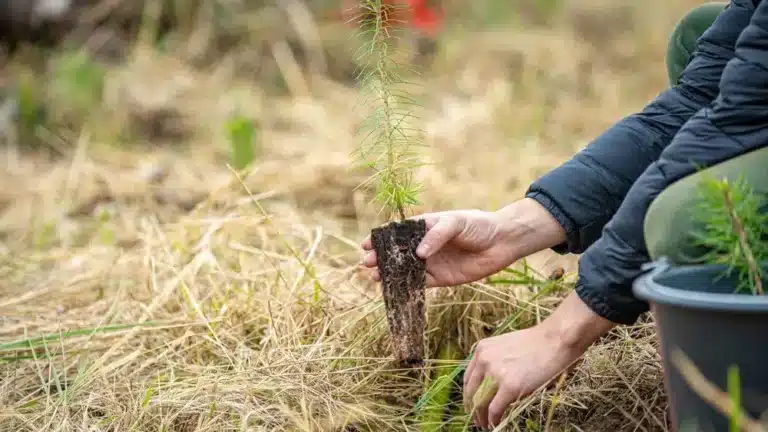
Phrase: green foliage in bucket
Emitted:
{"points": [[735, 229]]}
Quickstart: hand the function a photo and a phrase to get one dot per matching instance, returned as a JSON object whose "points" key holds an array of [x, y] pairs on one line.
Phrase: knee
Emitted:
{"points": [[682, 41], [653, 226], [669, 221]]}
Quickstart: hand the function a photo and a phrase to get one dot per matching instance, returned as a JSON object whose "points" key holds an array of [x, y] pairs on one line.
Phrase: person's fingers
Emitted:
{"points": [[431, 281], [479, 419], [467, 375], [505, 396], [369, 259], [480, 416], [367, 244], [471, 384], [481, 399], [431, 219], [469, 391], [446, 228], [376, 276]]}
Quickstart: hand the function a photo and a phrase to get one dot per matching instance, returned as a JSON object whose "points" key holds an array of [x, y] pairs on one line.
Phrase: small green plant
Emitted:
{"points": [[390, 134], [241, 133], [31, 113], [78, 84], [735, 229], [441, 387], [388, 148]]}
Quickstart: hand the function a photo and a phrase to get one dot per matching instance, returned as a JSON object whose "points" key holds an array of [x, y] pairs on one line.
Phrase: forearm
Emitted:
{"points": [[575, 325], [526, 227]]}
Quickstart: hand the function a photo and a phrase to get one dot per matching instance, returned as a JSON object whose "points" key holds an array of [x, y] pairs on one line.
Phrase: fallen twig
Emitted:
{"points": [[710, 393]]}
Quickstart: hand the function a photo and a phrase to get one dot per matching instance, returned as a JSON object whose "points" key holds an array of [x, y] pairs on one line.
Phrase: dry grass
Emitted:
{"points": [[151, 289]]}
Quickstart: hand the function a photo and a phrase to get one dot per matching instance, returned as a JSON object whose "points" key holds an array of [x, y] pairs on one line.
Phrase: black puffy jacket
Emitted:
{"points": [[718, 110]]}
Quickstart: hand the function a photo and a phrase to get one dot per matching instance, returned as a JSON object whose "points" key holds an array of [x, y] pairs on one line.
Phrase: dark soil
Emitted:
{"points": [[404, 278]]}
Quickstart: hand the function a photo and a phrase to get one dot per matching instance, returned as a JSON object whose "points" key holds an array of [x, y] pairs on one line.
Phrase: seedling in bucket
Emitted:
{"points": [[714, 314]]}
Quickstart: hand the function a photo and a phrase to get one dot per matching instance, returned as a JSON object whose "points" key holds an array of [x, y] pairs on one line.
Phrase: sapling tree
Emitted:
{"points": [[734, 229], [389, 147]]}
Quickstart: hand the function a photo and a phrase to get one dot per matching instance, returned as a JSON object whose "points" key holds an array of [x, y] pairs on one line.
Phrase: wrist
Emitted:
{"points": [[575, 326], [526, 227]]}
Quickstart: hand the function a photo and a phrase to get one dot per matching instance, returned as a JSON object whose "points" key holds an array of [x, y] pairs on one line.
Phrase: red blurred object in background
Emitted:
{"points": [[424, 18], [418, 14]]}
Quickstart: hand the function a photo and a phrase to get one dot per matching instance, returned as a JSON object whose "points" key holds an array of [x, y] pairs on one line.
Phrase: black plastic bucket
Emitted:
{"points": [[698, 312]]}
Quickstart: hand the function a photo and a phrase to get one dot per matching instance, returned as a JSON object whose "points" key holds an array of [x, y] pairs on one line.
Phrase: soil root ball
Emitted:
{"points": [[403, 276]]}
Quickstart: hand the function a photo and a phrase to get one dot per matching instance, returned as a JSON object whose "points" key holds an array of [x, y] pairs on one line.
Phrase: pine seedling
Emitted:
{"points": [[388, 147], [735, 230], [391, 138]]}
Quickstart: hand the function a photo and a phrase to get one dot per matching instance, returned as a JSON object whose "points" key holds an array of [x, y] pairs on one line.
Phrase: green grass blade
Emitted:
{"points": [[37, 341], [734, 392]]}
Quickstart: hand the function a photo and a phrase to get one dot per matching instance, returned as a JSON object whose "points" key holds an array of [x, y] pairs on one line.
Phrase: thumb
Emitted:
{"points": [[444, 230]]}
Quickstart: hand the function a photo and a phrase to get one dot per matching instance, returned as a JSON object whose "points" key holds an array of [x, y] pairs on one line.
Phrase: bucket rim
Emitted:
{"points": [[647, 288]]}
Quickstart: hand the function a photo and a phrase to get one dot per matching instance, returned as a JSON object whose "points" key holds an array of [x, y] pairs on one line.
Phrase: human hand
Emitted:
{"points": [[459, 246], [520, 362], [463, 246]]}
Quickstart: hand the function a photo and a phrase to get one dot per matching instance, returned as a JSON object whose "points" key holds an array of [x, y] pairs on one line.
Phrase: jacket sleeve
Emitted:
{"points": [[734, 124], [585, 192]]}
